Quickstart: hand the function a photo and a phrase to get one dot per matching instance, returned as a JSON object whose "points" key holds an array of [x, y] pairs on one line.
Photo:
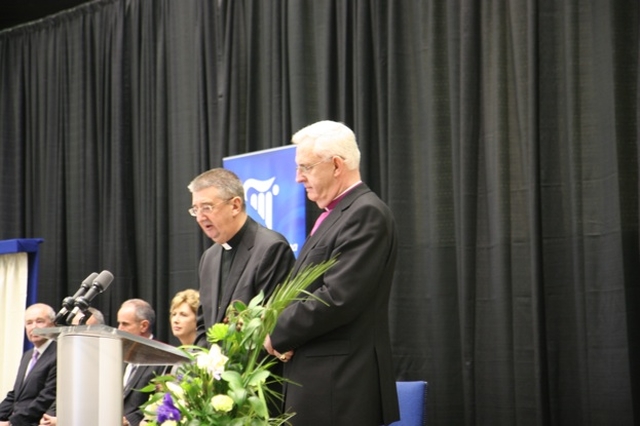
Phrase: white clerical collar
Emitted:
{"points": [[226, 246]]}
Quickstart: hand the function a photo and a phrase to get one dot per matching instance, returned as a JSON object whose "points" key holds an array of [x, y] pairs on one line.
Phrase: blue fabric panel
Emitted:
{"points": [[412, 397], [30, 246]]}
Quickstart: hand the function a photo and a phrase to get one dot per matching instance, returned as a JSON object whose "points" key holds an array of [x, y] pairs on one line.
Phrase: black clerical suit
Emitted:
{"points": [[341, 372], [260, 259]]}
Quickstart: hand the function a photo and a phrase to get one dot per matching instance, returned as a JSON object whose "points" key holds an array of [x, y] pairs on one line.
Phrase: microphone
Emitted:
{"points": [[100, 284], [83, 319], [69, 301]]}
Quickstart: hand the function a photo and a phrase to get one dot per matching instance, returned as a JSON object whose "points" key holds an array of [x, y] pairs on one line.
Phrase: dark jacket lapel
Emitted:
{"points": [[327, 225]]}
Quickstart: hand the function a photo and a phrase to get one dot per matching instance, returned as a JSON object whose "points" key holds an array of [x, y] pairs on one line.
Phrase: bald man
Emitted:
{"points": [[35, 387]]}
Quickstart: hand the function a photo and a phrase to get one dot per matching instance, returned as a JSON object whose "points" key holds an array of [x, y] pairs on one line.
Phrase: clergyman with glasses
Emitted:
{"points": [[246, 257], [335, 346]]}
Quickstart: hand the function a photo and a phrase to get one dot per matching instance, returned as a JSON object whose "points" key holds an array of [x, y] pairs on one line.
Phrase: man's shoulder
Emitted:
{"points": [[364, 198], [269, 241], [51, 351], [215, 248], [148, 372], [269, 235], [260, 234]]}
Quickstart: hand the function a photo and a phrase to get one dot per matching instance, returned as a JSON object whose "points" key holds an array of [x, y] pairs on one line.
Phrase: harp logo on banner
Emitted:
{"points": [[273, 197], [259, 195]]}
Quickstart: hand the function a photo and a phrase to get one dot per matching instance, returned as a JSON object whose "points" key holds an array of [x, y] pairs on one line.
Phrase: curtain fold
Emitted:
{"points": [[502, 134]]}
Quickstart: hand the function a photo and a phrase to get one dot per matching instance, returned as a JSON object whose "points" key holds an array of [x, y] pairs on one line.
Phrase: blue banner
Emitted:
{"points": [[273, 197]]}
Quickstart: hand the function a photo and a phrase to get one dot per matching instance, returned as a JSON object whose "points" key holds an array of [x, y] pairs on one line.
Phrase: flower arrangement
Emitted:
{"points": [[229, 384]]}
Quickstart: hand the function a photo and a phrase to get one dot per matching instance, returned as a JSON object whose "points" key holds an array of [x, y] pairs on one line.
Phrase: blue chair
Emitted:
{"points": [[412, 397]]}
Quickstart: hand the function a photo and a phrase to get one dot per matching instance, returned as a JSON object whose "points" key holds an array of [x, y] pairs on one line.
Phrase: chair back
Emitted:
{"points": [[412, 398]]}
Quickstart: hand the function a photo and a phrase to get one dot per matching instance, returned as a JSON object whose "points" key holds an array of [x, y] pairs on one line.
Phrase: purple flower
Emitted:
{"points": [[168, 411]]}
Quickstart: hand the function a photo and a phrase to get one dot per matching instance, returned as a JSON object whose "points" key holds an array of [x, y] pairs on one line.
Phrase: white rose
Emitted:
{"points": [[222, 403]]}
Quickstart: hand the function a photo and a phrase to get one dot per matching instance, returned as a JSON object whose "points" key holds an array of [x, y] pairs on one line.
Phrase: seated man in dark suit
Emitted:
{"points": [[137, 317], [35, 386]]}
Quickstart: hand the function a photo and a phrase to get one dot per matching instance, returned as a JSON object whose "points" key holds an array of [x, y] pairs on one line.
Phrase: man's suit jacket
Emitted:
{"points": [[263, 260], [33, 395], [342, 360], [132, 397]]}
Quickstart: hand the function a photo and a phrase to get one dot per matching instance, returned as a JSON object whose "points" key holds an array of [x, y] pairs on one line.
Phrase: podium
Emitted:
{"points": [[90, 367]]}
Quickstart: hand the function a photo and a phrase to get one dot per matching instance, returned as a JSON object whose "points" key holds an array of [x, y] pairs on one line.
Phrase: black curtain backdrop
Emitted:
{"points": [[503, 134]]}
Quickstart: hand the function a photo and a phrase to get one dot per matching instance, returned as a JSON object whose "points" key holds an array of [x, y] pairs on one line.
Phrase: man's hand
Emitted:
{"points": [[285, 357], [48, 420]]}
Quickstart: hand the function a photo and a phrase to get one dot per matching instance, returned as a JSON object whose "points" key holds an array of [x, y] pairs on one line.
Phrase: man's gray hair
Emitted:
{"points": [[143, 311], [330, 139], [97, 315], [225, 181]]}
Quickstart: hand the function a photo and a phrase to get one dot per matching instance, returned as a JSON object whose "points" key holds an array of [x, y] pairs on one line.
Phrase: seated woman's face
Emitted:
{"points": [[183, 321]]}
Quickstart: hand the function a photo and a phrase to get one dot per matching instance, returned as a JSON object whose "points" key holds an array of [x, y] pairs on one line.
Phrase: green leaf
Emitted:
{"points": [[258, 377], [257, 299], [259, 406], [239, 395], [233, 378], [149, 388], [239, 305]]}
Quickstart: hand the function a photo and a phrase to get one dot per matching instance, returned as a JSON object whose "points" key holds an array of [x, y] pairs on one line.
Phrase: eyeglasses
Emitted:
{"points": [[206, 208], [304, 169]]}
